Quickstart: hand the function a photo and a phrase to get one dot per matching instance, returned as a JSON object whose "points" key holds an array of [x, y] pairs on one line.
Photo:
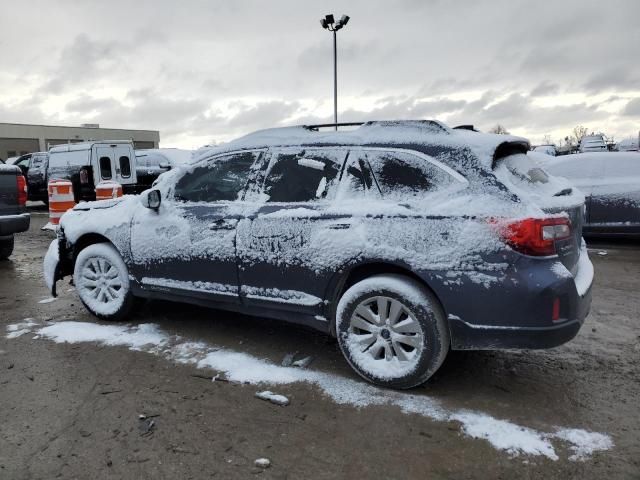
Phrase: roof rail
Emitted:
{"points": [[326, 125]]}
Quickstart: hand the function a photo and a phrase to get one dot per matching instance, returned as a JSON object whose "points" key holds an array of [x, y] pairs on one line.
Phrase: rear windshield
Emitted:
{"points": [[527, 178], [525, 169]]}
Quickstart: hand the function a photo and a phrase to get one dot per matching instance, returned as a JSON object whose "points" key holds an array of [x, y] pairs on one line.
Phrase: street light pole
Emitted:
{"points": [[335, 79], [329, 23]]}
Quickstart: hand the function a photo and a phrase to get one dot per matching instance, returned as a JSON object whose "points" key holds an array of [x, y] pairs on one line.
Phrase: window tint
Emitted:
{"points": [[125, 166], [403, 175], [302, 176], [223, 178], [105, 168], [24, 162]]}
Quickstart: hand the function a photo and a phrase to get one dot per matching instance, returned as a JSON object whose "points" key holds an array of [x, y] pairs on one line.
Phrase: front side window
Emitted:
{"points": [[403, 176], [125, 166], [302, 176], [105, 168], [220, 179]]}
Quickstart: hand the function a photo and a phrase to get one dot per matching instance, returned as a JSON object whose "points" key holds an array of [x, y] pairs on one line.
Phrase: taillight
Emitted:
{"points": [[84, 176], [21, 183], [535, 236]]}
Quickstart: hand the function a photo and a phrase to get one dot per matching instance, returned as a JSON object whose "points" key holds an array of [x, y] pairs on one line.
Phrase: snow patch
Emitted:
{"points": [[241, 367]]}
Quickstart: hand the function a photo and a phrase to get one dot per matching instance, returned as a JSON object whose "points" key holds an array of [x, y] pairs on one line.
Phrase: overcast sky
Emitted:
{"points": [[209, 70]]}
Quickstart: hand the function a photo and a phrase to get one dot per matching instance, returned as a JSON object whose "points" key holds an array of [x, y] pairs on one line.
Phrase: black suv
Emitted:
{"points": [[402, 239]]}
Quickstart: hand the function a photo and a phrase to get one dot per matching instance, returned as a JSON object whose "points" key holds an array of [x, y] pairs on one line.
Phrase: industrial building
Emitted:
{"points": [[18, 139]]}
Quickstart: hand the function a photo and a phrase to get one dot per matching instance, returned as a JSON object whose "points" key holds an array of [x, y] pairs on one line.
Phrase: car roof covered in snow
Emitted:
{"points": [[399, 133]]}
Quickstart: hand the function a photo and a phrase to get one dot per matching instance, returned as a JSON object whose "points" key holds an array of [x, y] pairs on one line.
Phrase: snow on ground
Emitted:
{"points": [[241, 367]]}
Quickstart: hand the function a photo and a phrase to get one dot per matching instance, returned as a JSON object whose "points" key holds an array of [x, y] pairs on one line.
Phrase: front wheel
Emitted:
{"points": [[101, 279], [6, 248], [392, 331]]}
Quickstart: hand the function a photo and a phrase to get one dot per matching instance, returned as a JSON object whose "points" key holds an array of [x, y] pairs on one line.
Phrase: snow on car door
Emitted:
{"points": [[188, 247], [296, 242]]}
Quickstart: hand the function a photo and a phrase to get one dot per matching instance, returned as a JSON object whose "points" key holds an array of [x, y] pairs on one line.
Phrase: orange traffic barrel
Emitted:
{"points": [[107, 190], [60, 199]]}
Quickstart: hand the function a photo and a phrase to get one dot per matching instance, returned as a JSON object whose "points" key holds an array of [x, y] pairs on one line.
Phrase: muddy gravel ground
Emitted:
{"points": [[72, 410]]}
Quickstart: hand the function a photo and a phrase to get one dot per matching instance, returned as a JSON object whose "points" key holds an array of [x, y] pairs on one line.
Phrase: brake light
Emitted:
{"points": [[535, 236], [21, 183], [84, 176]]}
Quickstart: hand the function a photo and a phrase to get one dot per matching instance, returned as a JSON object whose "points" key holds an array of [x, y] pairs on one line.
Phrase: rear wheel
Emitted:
{"points": [[101, 279], [6, 248], [392, 331]]}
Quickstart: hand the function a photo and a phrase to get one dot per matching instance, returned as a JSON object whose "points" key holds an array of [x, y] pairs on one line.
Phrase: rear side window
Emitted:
{"points": [[125, 166], [304, 176], [402, 176], [221, 179], [105, 168]]}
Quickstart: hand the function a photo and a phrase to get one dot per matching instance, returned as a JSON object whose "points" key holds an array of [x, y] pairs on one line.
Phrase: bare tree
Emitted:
{"points": [[499, 129], [547, 140], [578, 133]]}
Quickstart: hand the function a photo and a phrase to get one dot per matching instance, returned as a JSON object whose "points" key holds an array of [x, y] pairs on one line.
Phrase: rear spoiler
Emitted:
{"points": [[509, 148]]}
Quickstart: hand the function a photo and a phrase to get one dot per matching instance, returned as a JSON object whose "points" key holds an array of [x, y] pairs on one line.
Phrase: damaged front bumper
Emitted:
{"points": [[57, 262]]}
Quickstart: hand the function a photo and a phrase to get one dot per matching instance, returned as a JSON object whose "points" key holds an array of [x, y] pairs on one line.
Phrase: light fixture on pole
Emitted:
{"points": [[329, 23]]}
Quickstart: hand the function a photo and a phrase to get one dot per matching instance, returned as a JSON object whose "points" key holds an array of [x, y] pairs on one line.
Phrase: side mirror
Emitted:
{"points": [[151, 199], [165, 165]]}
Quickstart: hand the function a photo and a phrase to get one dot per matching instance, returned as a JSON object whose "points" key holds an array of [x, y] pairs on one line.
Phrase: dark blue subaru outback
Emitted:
{"points": [[403, 239]]}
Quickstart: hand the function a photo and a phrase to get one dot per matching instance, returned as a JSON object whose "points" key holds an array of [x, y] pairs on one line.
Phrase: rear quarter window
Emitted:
{"points": [[402, 175]]}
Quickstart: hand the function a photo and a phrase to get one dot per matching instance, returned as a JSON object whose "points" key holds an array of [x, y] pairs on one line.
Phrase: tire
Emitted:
{"points": [[101, 279], [6, 248], [404, 348]]}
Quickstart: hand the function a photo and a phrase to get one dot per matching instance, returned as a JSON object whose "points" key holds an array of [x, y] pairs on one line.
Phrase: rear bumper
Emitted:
{"points": [[520, 316], [481, 337], [10, 224]]}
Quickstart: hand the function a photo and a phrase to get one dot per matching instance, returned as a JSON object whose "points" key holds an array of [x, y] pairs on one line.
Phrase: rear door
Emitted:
{"points": [[104, 164], [124, 159], [36, 177], [295, 243]]}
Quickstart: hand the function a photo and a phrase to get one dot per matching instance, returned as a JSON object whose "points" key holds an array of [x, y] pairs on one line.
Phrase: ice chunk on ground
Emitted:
{"points": [[273, 398], [18, 329], [262, 463], [48, 300]]}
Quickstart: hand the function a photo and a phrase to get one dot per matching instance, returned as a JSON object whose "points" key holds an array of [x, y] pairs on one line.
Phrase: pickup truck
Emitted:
{"points": [[13, 215]]}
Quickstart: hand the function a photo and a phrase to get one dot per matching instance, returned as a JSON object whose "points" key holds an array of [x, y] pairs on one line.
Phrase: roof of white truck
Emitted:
{"points": [[74, 147]]}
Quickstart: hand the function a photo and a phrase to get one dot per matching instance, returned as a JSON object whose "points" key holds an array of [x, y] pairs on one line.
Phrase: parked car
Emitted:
{"points": [[629, 145], [546, 149], [34, 169], [593, 143], [86, 164], [151, 163], [402, 239], [13, 216], [611, 183]]}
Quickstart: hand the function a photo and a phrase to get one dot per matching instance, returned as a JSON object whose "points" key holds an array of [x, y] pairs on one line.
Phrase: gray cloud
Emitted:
{"points": [[632, 108], [224, 68]]}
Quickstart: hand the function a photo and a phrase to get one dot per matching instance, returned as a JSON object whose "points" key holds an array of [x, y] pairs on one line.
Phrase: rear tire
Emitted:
{"points": [[6, 248], [101, 279], [392, 331]]}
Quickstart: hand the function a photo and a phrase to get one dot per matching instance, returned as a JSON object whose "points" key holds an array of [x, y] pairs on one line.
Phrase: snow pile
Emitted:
{"points": [[241, 367], [273, 398], [18, 329]]}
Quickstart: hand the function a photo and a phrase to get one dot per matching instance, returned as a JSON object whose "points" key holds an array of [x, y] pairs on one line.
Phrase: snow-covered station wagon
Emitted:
{"points": [[402, 239]]}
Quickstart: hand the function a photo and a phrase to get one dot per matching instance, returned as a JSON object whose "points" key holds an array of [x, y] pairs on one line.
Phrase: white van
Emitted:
{"points": [[88, 163]]}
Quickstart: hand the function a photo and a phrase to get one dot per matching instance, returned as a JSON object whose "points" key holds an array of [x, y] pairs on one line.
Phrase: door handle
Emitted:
{"points": [[223, 224]]}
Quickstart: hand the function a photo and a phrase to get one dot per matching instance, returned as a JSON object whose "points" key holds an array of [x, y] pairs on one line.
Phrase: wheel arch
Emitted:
{"points": [[359, 272], [87, 240]]}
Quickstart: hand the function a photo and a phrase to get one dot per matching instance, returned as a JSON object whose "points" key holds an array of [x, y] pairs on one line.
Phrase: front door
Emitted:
{"points": [[188, 247]]}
